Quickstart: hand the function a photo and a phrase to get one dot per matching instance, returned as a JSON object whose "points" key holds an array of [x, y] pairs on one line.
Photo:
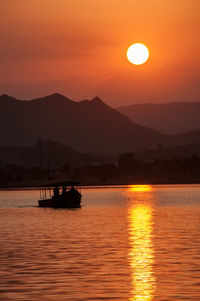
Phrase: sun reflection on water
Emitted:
{"points": [[141, 255]]}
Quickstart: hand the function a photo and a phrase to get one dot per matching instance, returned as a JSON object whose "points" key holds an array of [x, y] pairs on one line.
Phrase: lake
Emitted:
{"points": [[125, 243]]}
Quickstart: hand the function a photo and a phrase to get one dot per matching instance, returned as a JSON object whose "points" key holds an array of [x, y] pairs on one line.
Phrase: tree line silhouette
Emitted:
{"points": [[127, 170]]}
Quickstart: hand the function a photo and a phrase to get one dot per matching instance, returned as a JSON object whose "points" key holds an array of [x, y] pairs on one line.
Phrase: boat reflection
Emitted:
{"points": [[141, 254]]}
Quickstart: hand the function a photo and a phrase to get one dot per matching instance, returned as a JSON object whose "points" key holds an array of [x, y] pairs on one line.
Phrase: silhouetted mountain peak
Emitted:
{"points": [[7, 101], [97, 100], [49, 144], [7, 97], [94, 101], [54, 99], [98, 103], [4, 95], [57, 95]]}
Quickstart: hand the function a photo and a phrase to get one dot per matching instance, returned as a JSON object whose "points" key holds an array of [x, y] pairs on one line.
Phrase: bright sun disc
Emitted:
{"points": [[137, 54]]}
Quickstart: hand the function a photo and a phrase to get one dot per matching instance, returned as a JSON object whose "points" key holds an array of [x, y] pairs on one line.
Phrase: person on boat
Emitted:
{"points": [[64, 190], [56, 191], [73, 191]]}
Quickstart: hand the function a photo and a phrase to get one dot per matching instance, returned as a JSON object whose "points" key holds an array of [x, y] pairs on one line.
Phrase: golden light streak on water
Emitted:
{"points": [[142, 254], [142, 188]]}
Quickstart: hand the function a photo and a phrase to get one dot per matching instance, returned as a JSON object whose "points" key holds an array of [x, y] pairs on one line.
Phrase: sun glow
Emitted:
{"points": [[137, 54], [142, 188]]}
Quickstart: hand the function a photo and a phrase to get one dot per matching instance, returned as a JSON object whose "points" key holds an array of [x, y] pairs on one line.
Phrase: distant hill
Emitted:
{"points": [[169, 118], [85, 126], [41, 154], [57, 155], [180, 152]]}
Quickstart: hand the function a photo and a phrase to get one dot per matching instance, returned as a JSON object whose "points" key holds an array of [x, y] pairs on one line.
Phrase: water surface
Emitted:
{"points": [[125, 243]]}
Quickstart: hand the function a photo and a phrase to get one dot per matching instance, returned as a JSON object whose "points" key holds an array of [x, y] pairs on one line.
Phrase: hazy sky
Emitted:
{"points": [[78, 48]]}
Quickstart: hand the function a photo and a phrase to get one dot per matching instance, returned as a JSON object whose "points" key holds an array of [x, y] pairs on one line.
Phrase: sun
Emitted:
{"points": [[137, 54]]}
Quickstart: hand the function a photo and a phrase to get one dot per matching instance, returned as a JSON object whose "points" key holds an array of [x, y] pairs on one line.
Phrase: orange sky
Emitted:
{"points": [[78, 48]]}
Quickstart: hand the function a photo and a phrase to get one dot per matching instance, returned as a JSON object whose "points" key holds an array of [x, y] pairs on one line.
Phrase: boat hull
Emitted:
{"points": [[62, 201]]}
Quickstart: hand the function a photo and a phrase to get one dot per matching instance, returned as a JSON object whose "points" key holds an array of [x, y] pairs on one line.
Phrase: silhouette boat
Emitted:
{"points": [[60, 195]]}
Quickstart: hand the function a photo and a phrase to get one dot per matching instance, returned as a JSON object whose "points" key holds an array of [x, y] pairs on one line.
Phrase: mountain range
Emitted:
{"points": [[85, 126], [169, 118]]}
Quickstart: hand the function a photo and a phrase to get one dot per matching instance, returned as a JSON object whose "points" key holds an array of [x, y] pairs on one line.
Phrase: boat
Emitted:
{"points": [[60, 195]]}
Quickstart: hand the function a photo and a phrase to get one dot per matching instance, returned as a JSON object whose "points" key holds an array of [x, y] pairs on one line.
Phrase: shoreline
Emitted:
{"points": [[91, 186]]}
